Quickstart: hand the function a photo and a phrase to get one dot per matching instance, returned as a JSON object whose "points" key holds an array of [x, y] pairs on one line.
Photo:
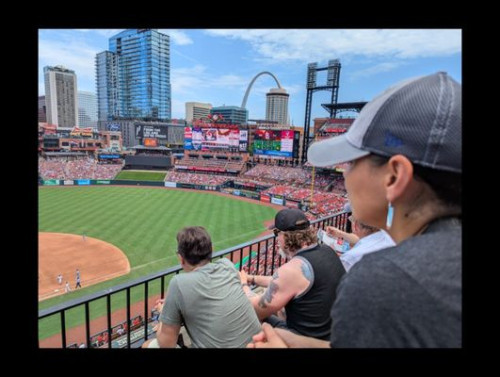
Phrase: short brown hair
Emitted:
{"points": [[194, 244]]}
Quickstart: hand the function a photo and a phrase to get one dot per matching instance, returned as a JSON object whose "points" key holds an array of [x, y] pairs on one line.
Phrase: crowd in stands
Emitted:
{"points": [[278, 174], [85, 168], [197, 179], [266, 261]]}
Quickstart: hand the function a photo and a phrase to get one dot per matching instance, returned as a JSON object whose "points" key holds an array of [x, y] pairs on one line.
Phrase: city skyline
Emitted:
{"points": [[216, 66]]}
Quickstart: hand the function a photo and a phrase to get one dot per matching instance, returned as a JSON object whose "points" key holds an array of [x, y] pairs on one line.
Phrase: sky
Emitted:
{"points": [[216, 65]]}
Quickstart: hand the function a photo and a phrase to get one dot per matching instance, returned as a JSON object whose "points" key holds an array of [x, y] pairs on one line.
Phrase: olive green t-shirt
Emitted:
{"points": [[216, 311]]}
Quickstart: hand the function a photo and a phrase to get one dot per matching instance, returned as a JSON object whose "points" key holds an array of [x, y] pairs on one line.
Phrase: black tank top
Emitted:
{"points": [[309, 314]]}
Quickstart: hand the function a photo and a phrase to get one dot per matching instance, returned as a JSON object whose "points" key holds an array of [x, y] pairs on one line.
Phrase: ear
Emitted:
{"points": [[399, 177]]}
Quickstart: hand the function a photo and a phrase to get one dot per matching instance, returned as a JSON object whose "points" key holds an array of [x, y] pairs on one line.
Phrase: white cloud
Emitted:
{"points": [[277, 46], [189, 80], [378, 68], [177, 37]]}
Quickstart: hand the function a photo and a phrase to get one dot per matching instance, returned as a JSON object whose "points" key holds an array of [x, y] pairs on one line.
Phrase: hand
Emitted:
{"points": [[267, 338], [159, 304], [243, 277], [332, 231]]}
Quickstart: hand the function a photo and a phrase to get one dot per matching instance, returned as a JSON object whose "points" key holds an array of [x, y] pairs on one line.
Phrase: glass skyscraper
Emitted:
{"points": [[133, 77], [87, 109]]}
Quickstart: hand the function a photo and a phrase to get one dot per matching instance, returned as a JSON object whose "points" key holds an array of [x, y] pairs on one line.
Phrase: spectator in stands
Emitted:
{"points": [[304, 286], [366, 239], [207, 299], [404, 175]]}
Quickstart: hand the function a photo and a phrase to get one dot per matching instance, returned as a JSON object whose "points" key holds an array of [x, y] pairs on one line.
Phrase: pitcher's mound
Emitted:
{"points": [[60, 253]]}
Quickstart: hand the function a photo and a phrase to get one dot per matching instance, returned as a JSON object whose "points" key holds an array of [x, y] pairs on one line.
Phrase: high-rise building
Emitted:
{"points": [[197, 110], [87, 109], [133, 77], [106, 85], [42, 110], [61, 99], [277, 105], [231, 114]]}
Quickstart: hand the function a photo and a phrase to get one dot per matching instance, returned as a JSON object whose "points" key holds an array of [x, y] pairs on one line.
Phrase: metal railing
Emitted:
{"points": [[253, 249]]}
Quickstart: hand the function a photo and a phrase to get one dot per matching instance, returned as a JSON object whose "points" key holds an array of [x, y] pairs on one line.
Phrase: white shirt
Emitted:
{"points": [[373, 242]]}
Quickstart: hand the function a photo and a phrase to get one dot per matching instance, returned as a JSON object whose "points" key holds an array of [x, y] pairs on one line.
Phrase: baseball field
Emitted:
{"points": [[117, 234]]}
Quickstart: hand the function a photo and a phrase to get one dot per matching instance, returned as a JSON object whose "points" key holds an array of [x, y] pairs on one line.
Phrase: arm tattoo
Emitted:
{"points": [[268, 294]]}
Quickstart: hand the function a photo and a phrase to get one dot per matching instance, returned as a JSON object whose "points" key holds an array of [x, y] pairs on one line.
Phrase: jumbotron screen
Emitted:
{"points": [[273, 143], [202, 138]]}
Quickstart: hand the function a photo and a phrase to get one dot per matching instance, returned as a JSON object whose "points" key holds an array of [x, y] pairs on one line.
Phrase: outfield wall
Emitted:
{"points": [[275, 199]]}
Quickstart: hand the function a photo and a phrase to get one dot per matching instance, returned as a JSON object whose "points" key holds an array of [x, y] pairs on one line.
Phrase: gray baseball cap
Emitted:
{"points": [[420, 118]]}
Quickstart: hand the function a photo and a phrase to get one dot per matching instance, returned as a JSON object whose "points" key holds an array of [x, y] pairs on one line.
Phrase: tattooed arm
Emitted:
{"points": [[280, 290]]}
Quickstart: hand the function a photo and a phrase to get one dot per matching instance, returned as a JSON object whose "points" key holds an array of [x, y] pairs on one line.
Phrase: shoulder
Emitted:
{"points": [[293, 268], [225, 262]]}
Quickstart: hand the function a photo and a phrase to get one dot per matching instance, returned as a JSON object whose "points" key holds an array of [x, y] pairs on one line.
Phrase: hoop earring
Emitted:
{"points": [[390, 215]]}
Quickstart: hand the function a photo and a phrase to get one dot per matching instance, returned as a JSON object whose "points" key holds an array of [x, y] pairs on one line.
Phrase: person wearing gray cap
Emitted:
{"points": [[405, 176]]}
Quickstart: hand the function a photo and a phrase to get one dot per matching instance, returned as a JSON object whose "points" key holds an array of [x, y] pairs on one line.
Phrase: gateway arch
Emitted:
{"points": [[244, 103]]}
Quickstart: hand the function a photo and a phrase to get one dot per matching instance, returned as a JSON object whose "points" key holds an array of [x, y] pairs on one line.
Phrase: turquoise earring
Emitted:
{"points": [[390, 215]]}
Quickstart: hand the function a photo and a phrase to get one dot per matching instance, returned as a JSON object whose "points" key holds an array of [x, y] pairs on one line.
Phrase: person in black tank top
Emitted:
{"points": [[305, 286]]}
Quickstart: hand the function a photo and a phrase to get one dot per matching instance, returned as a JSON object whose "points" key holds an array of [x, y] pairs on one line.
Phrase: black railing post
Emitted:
{"points": [[146, 310], [258, 259], [249, 258], [87, 324], [273, 254], [63, 328], [265, 257], [162, 287], [128, 317], [108, 314]]}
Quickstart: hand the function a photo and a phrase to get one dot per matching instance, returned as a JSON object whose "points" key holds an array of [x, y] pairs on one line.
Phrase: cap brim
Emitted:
{"points": [[333, 151]]}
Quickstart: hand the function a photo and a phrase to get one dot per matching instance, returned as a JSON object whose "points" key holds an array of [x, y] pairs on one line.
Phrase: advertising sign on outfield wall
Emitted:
{"points": [[51, 182], [275, 200], [68, 182], [170, 184], [100, 182], [82, 182]]}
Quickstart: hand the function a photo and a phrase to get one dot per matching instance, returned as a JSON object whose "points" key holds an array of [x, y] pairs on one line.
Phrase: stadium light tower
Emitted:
{"points": [[332, 84]]}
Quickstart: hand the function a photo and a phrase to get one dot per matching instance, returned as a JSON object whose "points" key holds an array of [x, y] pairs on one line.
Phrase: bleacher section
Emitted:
{"points": [[84, 168]]}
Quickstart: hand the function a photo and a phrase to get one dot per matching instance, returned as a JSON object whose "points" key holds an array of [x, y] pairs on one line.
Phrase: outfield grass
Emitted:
{"points": [[142, 222], [141, 175]]}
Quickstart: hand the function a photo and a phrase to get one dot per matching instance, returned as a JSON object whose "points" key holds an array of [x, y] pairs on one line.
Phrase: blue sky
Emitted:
{"points": [[217, 65]]}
